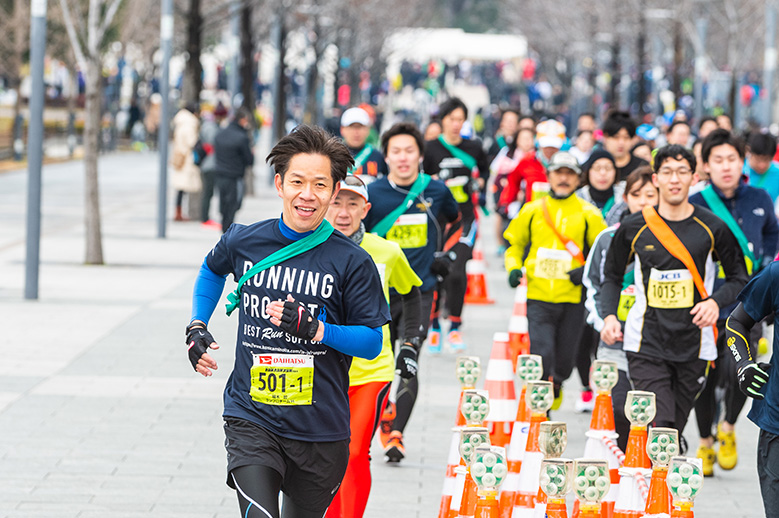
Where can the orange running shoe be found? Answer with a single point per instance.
(394, 451)
(385, 424)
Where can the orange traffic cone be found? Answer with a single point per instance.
(555, 481)
(662, 444)
(519, 340)
(640, 409)
(471, 438)
(450, 485)
(459, 484)
(469, 497)
(603, 377)
(476, 269)
(539, 398)
(488, 465)
(500, 386)
(514, 454)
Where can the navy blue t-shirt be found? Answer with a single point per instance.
(759, 298)
(339, 283)
(433, 208)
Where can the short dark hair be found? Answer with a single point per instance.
(707, 118)
(638, 145)
(582, 132)
(515, 111)
(586, 114)
(451, 105)
(721, 137)
(677, 123)
(243, 113)
(763, 144)
(674, 152)
(311, 140)
(618, 120)
(641, 176)
(403, 128)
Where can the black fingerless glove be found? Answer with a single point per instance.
(751, 379)
(442, 264)
(298, 321)
(198, 342)
(406, 362)
(515, 276)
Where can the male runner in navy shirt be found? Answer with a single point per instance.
(286, 401)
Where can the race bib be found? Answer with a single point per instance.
(457, 188)
(409, 231)
(282, 379)
(552, 264)
(540, 189)
(627, 298)
(670, 289)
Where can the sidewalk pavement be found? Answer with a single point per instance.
(100, 411)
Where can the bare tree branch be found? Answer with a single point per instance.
(74, 40)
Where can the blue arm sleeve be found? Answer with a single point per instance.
(360, 341)
(208, 291)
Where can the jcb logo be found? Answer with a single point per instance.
(671, 276)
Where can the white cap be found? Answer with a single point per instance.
(355, 116)
(356, 185)
(550, 133)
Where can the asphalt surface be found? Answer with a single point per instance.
(100, 411)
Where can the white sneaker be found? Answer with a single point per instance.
(585, 402)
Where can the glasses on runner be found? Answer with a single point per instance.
(668, 172)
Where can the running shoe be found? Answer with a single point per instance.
(212, 224)
(762, 347)
(434, 341)
(385, 424)
(455, 340)
(707, 456)
(394, 451)
(727, 456)
(586, 402)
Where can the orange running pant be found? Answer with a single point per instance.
(365, 404)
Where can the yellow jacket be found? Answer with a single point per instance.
(547, 261)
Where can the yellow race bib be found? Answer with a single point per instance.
(670, 289)
(409, 231)
(282, 379)
(627, 298)
(552, 264)
(457, 188)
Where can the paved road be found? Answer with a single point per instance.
(100, 412)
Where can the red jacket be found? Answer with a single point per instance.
(530, 170)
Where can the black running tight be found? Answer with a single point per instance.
(258, 489)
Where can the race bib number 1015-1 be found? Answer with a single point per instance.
(282, 379)
(670, 289)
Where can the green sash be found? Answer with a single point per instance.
(361, 158)
(382, 227)
(718, 207)
(501, 141)
(316, 238)
(467, 160)
(607, 207)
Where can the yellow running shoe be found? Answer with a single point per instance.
(707, 456)
(727, 456)
(762, 347)
(558, 399)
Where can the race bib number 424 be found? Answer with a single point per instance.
(282, 379)
(670, 289)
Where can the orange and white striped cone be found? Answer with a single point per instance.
(500, 386)
(662, 445)
(634, 474)
(469, 497)
(539, 396)
(514, 454)
(684, 480)
(459, 487)
(471, 438)
(603, 377)
(555, 482)
(552, 440)
(488, 466)
(468, 370)
(476, 272)
(519, 340)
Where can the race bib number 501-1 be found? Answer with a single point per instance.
(282, 379)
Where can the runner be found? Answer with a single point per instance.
(748, 212)
(639, 193)
(412, 210)
(757, 301)
(618, 133)
(286, 406)
(355, 129)
(507, 130)
(369, 380)
(558, 229)
(678, 133)
(760, 167)
(454, 160)
(669, 335)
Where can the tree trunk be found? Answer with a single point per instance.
(92, 115)
(312, 84)
(248, 76)
(193, 76)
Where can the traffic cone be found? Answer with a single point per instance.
(469, 497)
(467, 370)
(555, 481)
(684, 480)
(552, 440)
(500, 386)
(459, 487)
(529, 368)
(475, 270)
(519, 340)
(603, 377)
(640, 410)
(539, 396)
(488, 466)
(662, 445)
(471, 438)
